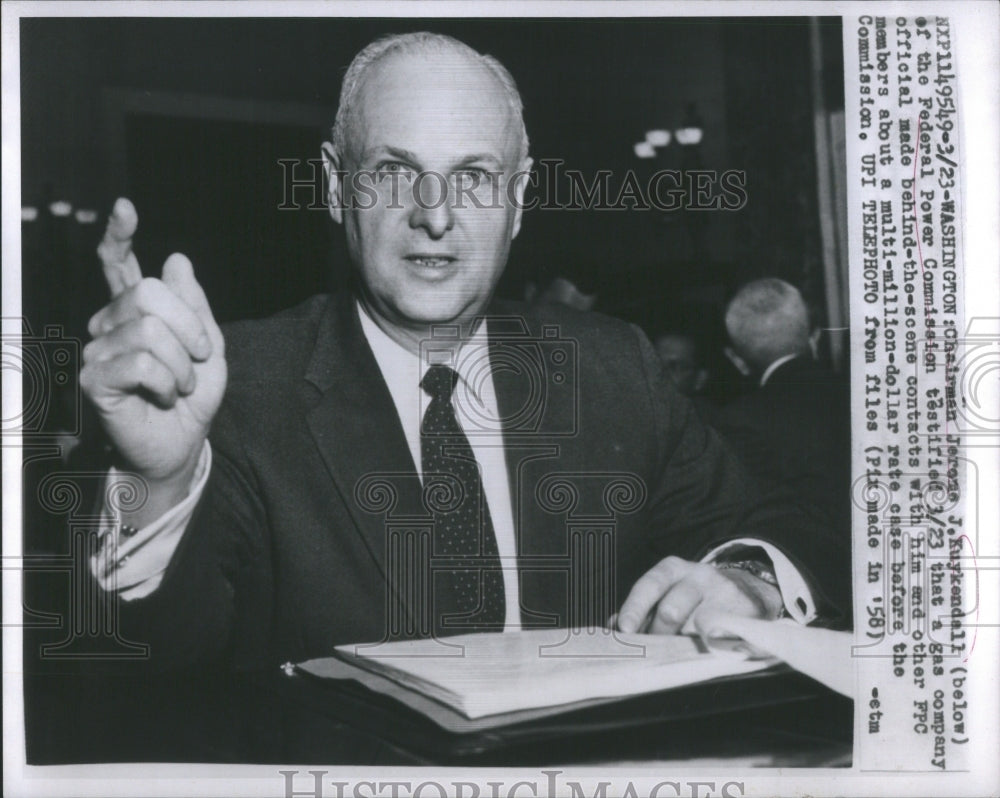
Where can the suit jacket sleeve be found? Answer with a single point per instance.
(195, 615)
(702, 497)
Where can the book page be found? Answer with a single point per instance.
(486, 674)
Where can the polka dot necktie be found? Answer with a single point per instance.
(468, 591)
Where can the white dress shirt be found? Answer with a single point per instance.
(475, 403)
(134, 566)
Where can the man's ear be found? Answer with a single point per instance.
(334, 182)
(741, 365)
(520, 185)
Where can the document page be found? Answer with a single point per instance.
(487, 674)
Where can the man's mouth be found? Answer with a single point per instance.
(431, 261)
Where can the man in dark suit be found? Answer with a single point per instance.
(793, 428)
(388, 463)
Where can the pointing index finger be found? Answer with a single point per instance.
(121, 269)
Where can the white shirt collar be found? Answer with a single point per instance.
(774, 367)
(474, 398)
(401, 367)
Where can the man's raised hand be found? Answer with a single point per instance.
(155, 369)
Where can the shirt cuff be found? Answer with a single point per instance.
(133, 566)
(795, 593)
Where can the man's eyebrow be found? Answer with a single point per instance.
(484, 158)
(395, 152)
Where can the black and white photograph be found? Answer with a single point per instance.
(497, 403)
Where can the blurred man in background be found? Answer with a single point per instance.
(793, 428)
(682, 359)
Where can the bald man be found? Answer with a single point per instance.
(793, 428)
(281, 455)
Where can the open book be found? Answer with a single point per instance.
(488, 674)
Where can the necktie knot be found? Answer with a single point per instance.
(439, 382)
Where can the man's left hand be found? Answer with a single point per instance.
(666, 598)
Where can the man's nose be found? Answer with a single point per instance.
(432, 206)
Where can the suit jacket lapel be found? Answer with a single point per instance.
(357, 429)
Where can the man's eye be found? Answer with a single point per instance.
(390, 167)
(472, 178)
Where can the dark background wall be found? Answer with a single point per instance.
(190, 117)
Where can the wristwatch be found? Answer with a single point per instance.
(763, 571)
(755, 567)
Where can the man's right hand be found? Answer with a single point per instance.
(155, 369)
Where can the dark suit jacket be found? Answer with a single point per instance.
(287, 555)
(795, 431)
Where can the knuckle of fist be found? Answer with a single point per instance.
(94, 324)
(144, 363)
(657, 581)
(701, 574)
(146, 290)
(150, 327)
(668, 568)
(668, 613)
